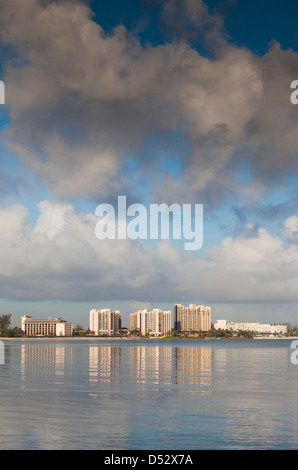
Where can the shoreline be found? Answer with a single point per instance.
(134, 338)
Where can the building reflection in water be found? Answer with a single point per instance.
(193, 368)
(149, 367)
(46, 359)
(156, 367)
(104, 363)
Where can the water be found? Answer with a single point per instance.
(140, 395)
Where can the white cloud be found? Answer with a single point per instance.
(14, 223)
(291, 229)
(61, 258)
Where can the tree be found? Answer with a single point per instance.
(292, 329)
(5, 321)
(13, 332)
(123, 332)
(135, 332)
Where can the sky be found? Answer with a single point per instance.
(184, 102)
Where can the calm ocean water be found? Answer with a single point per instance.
(139, 395)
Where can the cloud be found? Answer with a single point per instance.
(83, 103)
(192, 20)
(291, 229)
(60, 258)
(271, 131)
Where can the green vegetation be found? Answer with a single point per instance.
(292, 330)
(5, 330)
(192, 334)
(211, 334)
(79, 331)
(124, 332)
(5, 321)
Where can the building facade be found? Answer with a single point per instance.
(105, 321)
(256, 327)
(49, 327)
(192, 318)
(155, 322)
(135, 320)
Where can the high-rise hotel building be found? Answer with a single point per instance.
(156, 322)
(104, 321)
(192, 318)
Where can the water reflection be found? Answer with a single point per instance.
(145, 394)
(161, 366)
(45, 359)
(193, 367)
(154, 367)
(151, 366)
(104, 363)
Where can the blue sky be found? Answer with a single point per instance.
(176, 102)
(248, 24)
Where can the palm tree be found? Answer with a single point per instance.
(5, 322)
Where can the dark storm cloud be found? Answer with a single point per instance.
(82, 102)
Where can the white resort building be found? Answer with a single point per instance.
(194, 317)
(155, 322)
(104, 321)
(49, 327)
(257, 327)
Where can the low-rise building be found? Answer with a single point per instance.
(49, 327)
(256, 327)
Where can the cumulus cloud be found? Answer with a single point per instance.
(192, 19)
(291, 229)
(271, 131)
(83, 103)
(97, 115)
(60, 258)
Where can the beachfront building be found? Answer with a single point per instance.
(135, 321)
(155, 322)
(261, 328)
(49, 327)
(192, 318)
(105, 321)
